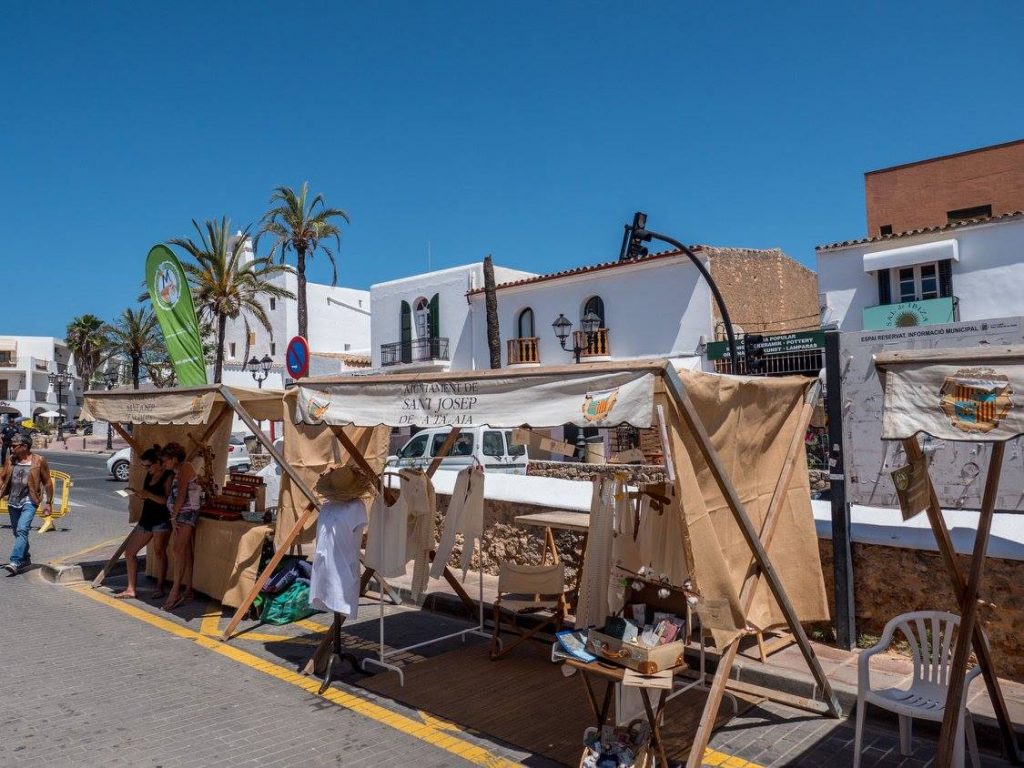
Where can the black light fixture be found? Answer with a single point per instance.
(110, 377)
(591, 322)
(59, 380)
(260, 369)
(632, 247)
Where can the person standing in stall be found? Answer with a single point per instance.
(183, 509)
(155, 523)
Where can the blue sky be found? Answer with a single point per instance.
(528, 130)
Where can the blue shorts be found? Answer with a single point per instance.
(154, 528)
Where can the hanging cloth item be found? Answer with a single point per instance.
(334, 584)
(465, 515)
(419, 505)
(592, 607)
(386, 538)
(660, 541)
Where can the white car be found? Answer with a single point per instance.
(491, 448)
(238, 459)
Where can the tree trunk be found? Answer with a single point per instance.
(136, 359)
(491, 303)
(218, 365)
(301, 293)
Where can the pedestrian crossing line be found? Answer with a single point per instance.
(360, 705)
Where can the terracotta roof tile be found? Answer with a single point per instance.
(922, 231)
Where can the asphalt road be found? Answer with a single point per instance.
(98, 513)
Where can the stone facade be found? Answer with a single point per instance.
(765, 290)
(571, 470)
(889, 581)
(921, 194)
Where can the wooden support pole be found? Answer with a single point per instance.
(132, 442)
(207, 434)
(981, 647)
(969, 610)
(265, 575)
(721, 677)
(113, 559)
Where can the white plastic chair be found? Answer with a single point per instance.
(931, 636)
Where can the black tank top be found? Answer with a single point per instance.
(153, 512)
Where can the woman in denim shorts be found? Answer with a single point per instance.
(183, 508)
(154, 524)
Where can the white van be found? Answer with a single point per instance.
(492, 448)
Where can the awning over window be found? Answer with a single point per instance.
(8, 345)
(923, 253)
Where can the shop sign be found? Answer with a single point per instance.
(778, 344)
(908, 314)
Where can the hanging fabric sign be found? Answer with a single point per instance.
(977, 400)
(172, 301)
(595, 400)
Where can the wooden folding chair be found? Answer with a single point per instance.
(527, 589)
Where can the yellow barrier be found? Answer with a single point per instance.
(61, 504)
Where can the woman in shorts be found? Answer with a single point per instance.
(183, 508)
(154, 524)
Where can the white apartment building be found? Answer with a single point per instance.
(965, 270)
(25, 365)
(339, 332)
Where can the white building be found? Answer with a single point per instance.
(425, 322)
(26, 363)
(966, 270)
(339, 332)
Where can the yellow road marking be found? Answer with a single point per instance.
(361, 706)
(312, 626)
(714, 758)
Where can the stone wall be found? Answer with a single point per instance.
(889, 581)
(574, 470)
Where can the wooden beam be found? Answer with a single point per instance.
(113, 559)
(969, 610)
(265, 575)
(443, 451)
(981, 647)
(126, 437)
(208, 433)
(357, 456)
(720, 680)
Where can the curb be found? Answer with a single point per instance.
(60, 573)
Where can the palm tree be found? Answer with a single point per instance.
(302, 225)
(134, 339)
(86, 338)
(224, 285)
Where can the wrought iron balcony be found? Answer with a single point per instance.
(416, 351)
(594, 344)
(524, 350)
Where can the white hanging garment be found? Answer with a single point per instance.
(592, 607)
(420, 505)
(386, 538)
(465, 515)
(660, 542)
(334, 583)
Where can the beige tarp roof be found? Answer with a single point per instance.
(177, 405)
(972, 394)
(751, 423)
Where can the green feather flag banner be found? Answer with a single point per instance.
(172, 301)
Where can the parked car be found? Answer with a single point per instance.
(238, 459)
(490, 447)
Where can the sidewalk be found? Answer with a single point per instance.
(83, 444)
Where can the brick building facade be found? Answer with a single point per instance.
(765, 290)
(932, 193)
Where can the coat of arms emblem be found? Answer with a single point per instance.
(318, 409)
(597, 405)
(976, 399)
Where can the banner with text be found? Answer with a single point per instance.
(595, 400)
(172, 302)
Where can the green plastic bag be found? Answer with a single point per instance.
(288, 606)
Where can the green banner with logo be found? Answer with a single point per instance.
(172, 301)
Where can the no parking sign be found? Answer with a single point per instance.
(297, 357)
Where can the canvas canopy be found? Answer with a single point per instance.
(177, 406)
(969, 394)
(750, 421)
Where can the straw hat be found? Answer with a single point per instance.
(344, 482)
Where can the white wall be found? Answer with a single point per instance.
(652, 309)
(988, 279)
(454, 323)
(37, 357)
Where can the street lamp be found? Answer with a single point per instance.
(260, 369)
(563, 327)
(110, 378)
(632, 248)
(60, 380)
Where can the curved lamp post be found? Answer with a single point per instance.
(638, 233)
(563, 328)
(60, 380)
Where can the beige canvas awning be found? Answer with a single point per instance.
(177, 406)
(973, 394)
(8, 345)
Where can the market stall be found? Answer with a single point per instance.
(735, 514)
(961, 395)
(227, 546)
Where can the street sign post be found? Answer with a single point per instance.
(297, 357)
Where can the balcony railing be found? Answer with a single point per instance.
(525, 350)
(594, 344)
(417, 351)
